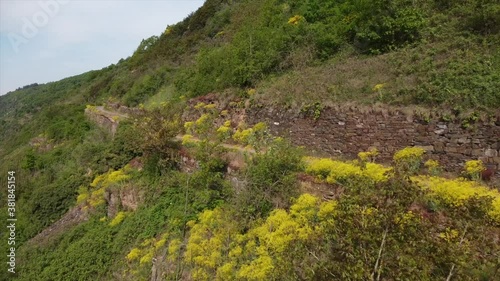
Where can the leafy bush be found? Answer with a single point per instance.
(456, 192)
(372, 26)
(270, 180)
(333, 171)
(156, 131)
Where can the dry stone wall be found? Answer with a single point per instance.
(345, 132)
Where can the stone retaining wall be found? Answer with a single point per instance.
(348, 131)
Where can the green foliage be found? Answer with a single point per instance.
(146, 87)
(313, 110)
(271, 180)
(255, 51)
(438, 52)
(371, 26)
(63, 122)
(156, 131)
(253, 54)
(366, 234)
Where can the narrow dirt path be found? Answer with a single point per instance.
(109, 113)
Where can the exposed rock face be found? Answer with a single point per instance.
(103, 120)
(125, 198)
(348, 131)
(73, 217)
(42, 143)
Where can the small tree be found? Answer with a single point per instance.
(157, 130)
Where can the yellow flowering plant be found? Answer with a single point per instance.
(456, 192)
(474, 168)
(368, 156)
(295, 20)
(120, 216)
(408, 159)
(216, 250)
(333, 171)
(433, 167)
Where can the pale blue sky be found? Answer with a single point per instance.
(47, 40)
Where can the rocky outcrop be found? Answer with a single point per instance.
(102, 119)
(73, 217)
(125, 198)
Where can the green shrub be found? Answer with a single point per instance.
(271, 180)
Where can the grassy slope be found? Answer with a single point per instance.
(454, 62)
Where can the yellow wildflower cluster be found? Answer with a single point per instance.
(405, 219)
(243, 136)
(455, 192)
(110, 178)
(117, 219)
(377, 172)
(254, 136)
(134, 254)
(94, 195)
(409, 153)
(83, 195)
(199, 105)
(173, 249)
(368, 156)
(409, 159)
(201, 126)
(378, 87)
(209, 238)
(91, 108)
(224, 131)
(451, 192)
(202, 120)
(260, 127)
(147, 250)
(189, 126)
(218, 252)
(96, 198)
(210, 106)
(147, 258)
(187, 139)
(333, 170)
(251, 135)
(431, 164)
(473, 168)
(295, 20)
(450, 235)
(432, 167)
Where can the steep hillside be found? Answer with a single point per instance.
(186, 183)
